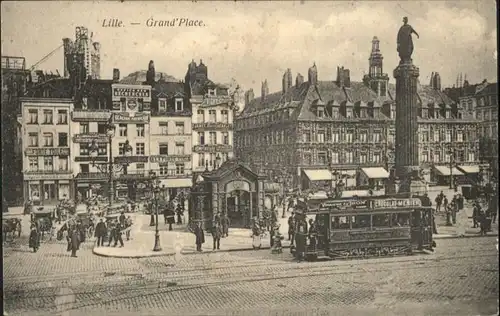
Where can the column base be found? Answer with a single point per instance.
(412, 187)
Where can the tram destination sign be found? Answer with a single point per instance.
(345, 204)
(395, 203)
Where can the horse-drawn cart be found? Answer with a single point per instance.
(11, 226)
(43, 220)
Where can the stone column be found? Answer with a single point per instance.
(406, 153)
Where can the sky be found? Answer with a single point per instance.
(251, 42)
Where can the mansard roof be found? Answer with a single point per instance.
(166, 89)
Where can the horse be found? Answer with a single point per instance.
(11, 225)
(44, 225)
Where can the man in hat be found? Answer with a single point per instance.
(200, 236)
(100, 232)
(216, 234)
(291, 228)
(34, 240)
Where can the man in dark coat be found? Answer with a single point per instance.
(200, 236)
(225, 225)
(34, 241)
(100, 232)
(216, 234)
(112, 232)
(74, 241)
(122, 218)
(118, 235)
(179, 211)
(291, 228)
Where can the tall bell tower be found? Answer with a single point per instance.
(376, 79)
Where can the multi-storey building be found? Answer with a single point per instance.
(47, 175)
(212, 121)
(346, 128)
(170, 134)
(14, 82)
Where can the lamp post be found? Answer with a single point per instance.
(452, 160)
(155, 190)
(110, 167)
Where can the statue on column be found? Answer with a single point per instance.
(405, 42)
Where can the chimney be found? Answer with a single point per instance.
(312, 75)
(287, 80)
(436, 84)
(343, 77)
(116, 74)
(97, 46)
(151, 74)
(264, 90)
(431, 83)
(249, 96)
(299, 80)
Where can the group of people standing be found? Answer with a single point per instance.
(113, 230)
(219, 229)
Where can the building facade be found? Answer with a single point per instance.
(46, 128)
(346, 129)
(212, 120)
(14, 84)
(170, 135)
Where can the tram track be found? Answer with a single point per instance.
(164, 280)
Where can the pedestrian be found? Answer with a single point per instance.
(170, 217)
(122, 218)
(118, 235)
(179, 213)
(291, 228)
(216, 234)
(475, 214)
(271, 236)
(112, 232)
(75, 241)
(128, 225)
(100, 232)
(454, 209)
(34, 240)
(438, 201)
(200, 236)
(225, 225)
(445, 202)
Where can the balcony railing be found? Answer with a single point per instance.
(89, 137)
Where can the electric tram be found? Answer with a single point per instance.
(362, 227)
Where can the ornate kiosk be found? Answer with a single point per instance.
(234, 190)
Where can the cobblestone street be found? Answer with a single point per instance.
(460, 278)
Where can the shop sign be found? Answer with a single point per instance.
(64, 151)
(90, 116)
(131, 159)
(132, 92)
(46, 176)
(213, 125)
(394, 203)
(89, 137)
(211, 101)
(88, 159)
(124, 117)
(167, 158)
(213, 148)
(345, 204)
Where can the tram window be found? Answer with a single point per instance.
(360, 221)
(381, 220)
(401, 220)
(340, 222)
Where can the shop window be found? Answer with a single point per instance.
(360, 221)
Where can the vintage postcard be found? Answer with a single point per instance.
(249, 158)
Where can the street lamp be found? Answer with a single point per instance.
(110, 167)
(155, 190)
(452, 160)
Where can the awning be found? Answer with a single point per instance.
(445, 171)
(177, 183)
(319, 175)
(469, 169)
(376, 173)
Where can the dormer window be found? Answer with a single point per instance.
(211, 92)
(362, 113)
(348, 113)
(447, 113)
(162, 105)
(179, 105)
(321, 112)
